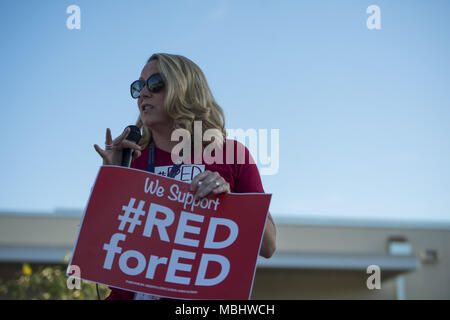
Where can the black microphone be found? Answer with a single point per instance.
(127, 153)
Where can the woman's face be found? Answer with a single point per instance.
(151, 105)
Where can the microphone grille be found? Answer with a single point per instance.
(135, 134)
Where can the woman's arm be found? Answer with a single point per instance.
(268, 245)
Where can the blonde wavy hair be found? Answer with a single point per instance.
(188, 98)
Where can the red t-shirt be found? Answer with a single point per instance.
(242, 174)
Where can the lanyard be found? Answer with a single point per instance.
(151, 162)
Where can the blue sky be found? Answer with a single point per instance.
(363, 114)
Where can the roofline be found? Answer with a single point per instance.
(328, 221)
(281, 219)
(35, 254)
(43, 214)
(339, 261)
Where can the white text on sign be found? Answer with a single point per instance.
(158, 219)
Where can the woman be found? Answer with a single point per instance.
(173, 93)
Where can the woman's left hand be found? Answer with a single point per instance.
(207, 182)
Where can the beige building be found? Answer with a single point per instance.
(316, 258)
(328, 259)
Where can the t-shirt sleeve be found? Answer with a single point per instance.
(247, 178)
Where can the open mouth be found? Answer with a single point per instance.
(146, 107)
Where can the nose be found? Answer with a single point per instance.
(144, 93)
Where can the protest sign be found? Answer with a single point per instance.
(145, 233)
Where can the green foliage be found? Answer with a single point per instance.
(47, 283)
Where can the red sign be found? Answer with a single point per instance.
(145, 233)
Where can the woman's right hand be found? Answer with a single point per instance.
(112, 155)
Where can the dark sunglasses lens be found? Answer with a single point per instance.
(136, 88)
(155, 83)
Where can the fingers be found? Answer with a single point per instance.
(113, 148)
(116, 142)
(102, 154)
(208, 182)
(222, 187)
(197, 179)
(120, 142)
(131, 145)
(100, 151)
(136, 154)
(122, 137)
(108, 138)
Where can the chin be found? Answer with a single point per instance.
(147, 121)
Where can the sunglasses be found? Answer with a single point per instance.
(154, 84)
